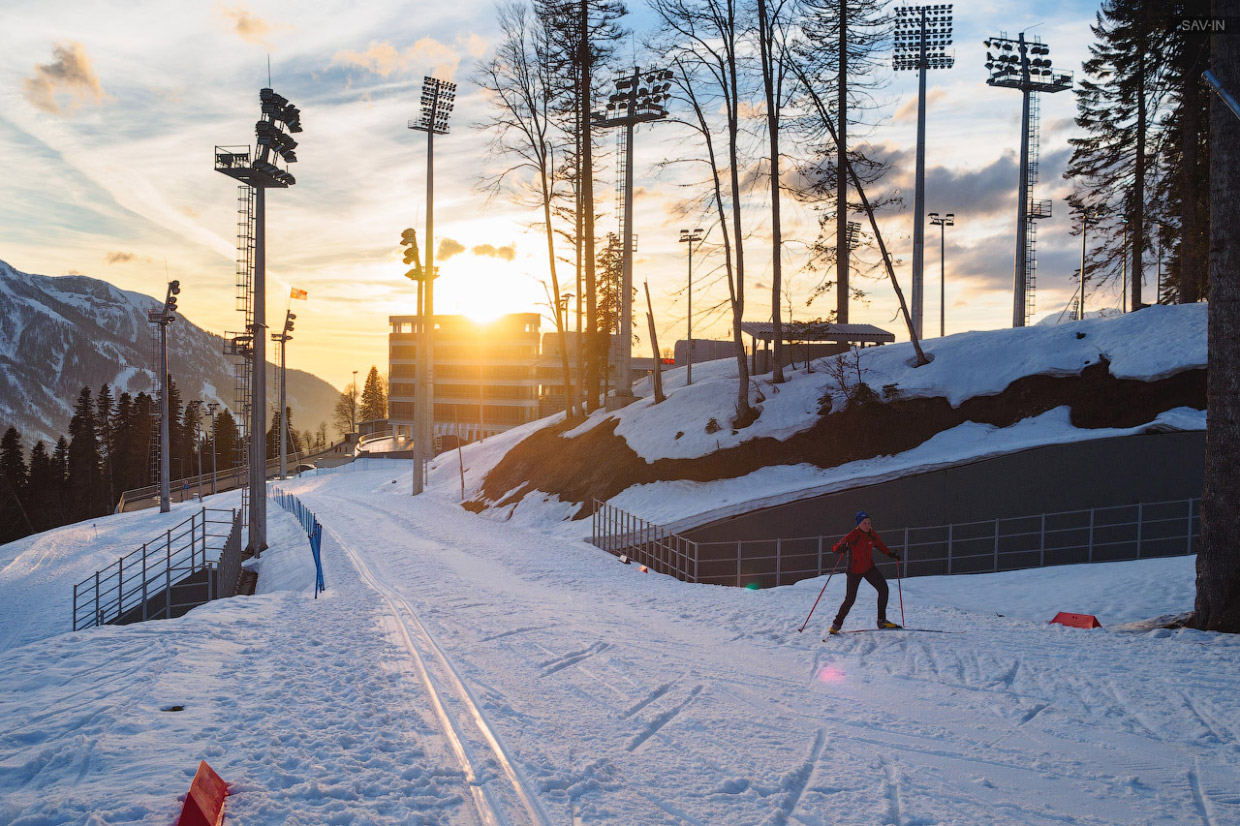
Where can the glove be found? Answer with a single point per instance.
(841, 547)
(895, 555)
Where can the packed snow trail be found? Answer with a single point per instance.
(631, 698)
(411, 629)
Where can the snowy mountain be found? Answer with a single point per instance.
(60, 334)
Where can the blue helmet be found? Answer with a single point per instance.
(862, 516)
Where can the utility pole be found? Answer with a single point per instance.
(687, 237)
(260, 172)
(638, 98)
(947, 220)
(212, 406)
(1086, 214)
(438, 100)
(282, 338)
(163, 317)
(922, 35)
(197, 405)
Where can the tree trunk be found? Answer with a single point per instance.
(595, 349)
(1218, 555)
(1137, 219)
(841, 180)
(1193, 174)
(766, 43)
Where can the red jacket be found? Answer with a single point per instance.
(862, 544)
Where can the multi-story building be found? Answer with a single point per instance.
(485, 374)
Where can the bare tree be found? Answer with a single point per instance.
(520, 78)
(705, 38)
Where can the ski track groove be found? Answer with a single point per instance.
(1199, 797)
(662, 720)
(1209, 726)
(481, 795)
(514, 631)
(892, 783)
(650, 698)
(559, 664)
(797, 781)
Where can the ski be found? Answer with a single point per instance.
(889, 630)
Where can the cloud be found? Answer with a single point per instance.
(507, 253)
(448, 248)
(119, 257)
(246, 25)
(384, 59)
(70, 73)
(908, 110)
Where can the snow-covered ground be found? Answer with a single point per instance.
(462, 670)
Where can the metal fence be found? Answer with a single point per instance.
(1121, 532)
(195, 562)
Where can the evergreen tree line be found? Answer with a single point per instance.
(109, 450)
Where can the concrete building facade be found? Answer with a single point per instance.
(485, 374)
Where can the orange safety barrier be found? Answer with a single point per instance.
(1076, 620)
(204, 805)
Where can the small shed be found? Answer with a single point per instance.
(809, 340)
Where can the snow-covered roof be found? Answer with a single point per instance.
(818, 331)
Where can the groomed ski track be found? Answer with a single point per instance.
(461, 721)
(575, 690)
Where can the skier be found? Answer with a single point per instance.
(860, 543)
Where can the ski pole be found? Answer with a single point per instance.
(838, 557)
(901, 590)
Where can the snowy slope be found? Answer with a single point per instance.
(1156, 343)
(460, 669)
(60, 334)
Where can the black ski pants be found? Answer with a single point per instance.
(875, 578)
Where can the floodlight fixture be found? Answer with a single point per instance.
(690, 238)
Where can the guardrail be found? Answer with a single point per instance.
(1120, 532)
(186, 488)
(140, 585)
(314, 531)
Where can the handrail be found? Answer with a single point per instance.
(139, 576)
(374, 437)
(1165, 528)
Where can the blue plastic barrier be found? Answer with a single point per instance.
(314, 531)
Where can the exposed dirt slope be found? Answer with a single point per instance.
(599, 464)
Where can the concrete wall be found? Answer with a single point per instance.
(1099, 473)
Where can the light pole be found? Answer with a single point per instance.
(942, 223)
(1086, 215)
(922, 35)
(283, 338)
(213, 406)
(1158, 278)
(687, 237)
(163, 317)
(639, 98)
(1012, 68)
(261, 173)
(197, 405)
(438, 100)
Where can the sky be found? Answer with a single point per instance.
(109, 113)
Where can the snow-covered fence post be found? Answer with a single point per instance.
(779, 558)
(1042, 543)
(950, 530)
(738, 563)
(168, 576)
(144, 582)
(97, 598)
(120, 586)
(1139, 518)
(820, 554)
(75, 587)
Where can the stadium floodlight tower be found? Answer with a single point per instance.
(273, 141)
(922, 35)
(639, 98)
(282, 338)
(438, 100)
(163, 317)
(1025, 65)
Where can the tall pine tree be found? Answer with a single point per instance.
(44, 490)
(87, 497)
(14, 500)
(374, 397)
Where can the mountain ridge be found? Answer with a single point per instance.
(61, 333)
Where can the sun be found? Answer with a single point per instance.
(483, 292)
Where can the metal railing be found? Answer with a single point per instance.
(314, 530)
(1121, 532)
(142, 584)
(625, 535)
